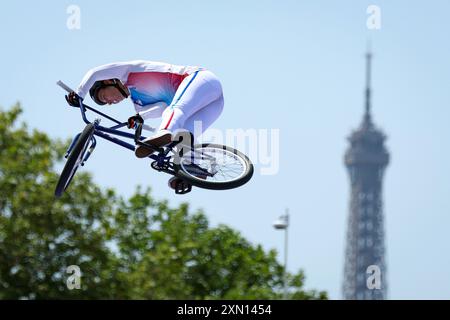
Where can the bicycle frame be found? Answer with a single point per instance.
(161, 158)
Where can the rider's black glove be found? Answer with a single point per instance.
(72, 99)
(132, 121)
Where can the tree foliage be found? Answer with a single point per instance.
(136, 248)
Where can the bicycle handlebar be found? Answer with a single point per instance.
(69, 90)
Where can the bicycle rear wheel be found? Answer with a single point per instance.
(74, 160)
(214, 166)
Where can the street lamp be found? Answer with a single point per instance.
(282, 223)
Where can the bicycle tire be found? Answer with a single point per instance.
(204, 184)
(74, 160)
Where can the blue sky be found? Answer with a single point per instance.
(296, 66)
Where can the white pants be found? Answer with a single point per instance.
(198, 98)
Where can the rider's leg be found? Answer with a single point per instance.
(205, 115)
(196, 124)
(204, 118)
(196, 92)
(201, 120)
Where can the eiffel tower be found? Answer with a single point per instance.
(366, 160)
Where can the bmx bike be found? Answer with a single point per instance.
(206, 165)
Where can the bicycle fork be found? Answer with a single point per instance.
(69, 150)
(93, 142)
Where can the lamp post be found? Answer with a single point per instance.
(282, 223)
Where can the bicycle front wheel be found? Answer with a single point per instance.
(74, 160)
(214, 166)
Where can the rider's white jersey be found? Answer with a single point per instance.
(149, 82)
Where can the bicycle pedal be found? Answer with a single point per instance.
(183, 187)
(155, 166)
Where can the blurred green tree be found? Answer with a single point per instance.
(138, 248)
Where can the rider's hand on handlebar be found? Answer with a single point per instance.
(132, 121)
(72, 99)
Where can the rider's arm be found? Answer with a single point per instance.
(121, 70)
(154, 110)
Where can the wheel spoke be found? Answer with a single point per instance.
(228, 165)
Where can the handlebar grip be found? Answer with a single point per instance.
(64, 86)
